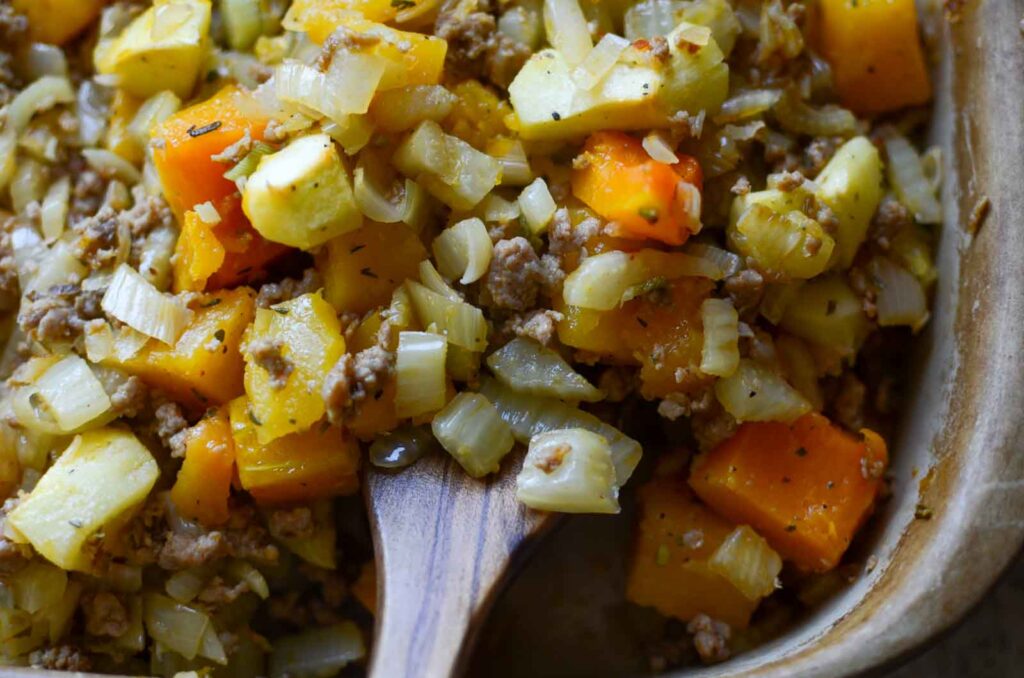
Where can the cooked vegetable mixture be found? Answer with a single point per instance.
(249, 246)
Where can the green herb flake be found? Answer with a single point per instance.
(402, 4)
(649, 214)
(219, 335)
(210, 303)
(646, 287)
(923, 512)
(663, 555)
(253, 418)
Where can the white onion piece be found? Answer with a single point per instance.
(135, 302)
(567, 30)
(496, 209)
(658, 147)
(41, 95)
(900, 299)
(757, 393)
(528, 367)
(571, 471)
(599, 61)
(41, 59)
(796, 116)
(207, 213)
(419, 373)
(433, 281)
(111, 165)
(464, 251)
(747, 105)
(54, 210)
(906, 174)
(472, 431)
(537, 205)
(720, 354)
(320, 651)
(72, 393)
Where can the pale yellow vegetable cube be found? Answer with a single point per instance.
(103, 475)
(851, 185)
(301, 196)
(162, 49)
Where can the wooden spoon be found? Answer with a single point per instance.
(444, 544)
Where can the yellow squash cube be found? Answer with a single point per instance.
(289, 350)
(103, 475)
(163, 48)
(57, 21)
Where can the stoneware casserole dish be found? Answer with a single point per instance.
(959, 451)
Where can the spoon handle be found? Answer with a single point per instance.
(444, 542)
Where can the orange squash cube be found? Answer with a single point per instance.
(190, 371)
(203, 486)
(806, 488)
(669, 569)
(299, 467)
(873, 46)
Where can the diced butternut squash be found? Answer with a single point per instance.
(875, 52)
(805, 487)
(375, 415)
(661, 331)
(362, 268)
(163, 48)
(478, 116)
(198, 254)
(318, 462)
(288, 351)
(103, 475)
(320, 18)
(203, 486)
(119, 139)
(669, 569)
(364, 589)
(205, 366)
(639, 195)
(57, 21)
(185, 144)
(301, 196)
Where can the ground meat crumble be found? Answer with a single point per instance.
(268, 355)
(517, 275)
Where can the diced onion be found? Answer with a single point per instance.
(243, 571)
(748, 562)
(420, 373)
(651, 18)
(135, 302)
(57, 266)
(602, 282)
(599, 61)
(401, 447)
(128, 343)
(463, 324)
(747, 105)
(495, 208)
(788, 243)
(353, 133)
(900, 298)
(906, 174)
(54, 211)
(757, 393)
(211, 647)
(38, 586)
(151, 113)
(511, 156)
(464, 251)
(372, 201)
(728, 262)
(528, 367)
(111, 165)
(569, 470)
(93, 101)
(207, 213)
(317, 652)
(425, 151)
(184, 585)
(720, 355)
(177, 627)
(99, 341)
(8, 153)
(537, 205)
(796, 116)
(433, 281)
(346, 88)
(243, 22)
(777, 298)
(473, 432)
(43, 94)
(798, 363)
(417, 206)
(71, 393)
(529, 415)
(41, 59)
(567, 30)
(28, 183)
(658, 148)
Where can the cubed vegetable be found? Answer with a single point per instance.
(787, 243)
(182, 153)
(569, 470)
(320, 18)
(362, 268)
(641, 196)
(746, 560)
(851, 185)
(203, 486)
(57, 21)
(288, 351)
(318, 462)
(198, 254)
(669, 569)
(756, 392)
(163, 48)
(805, 487)
(453, 171)
(190, 371)
(119, 139)
(473, 432)
(302, 195)
(75, 498)
(826, 311)
(875, 52)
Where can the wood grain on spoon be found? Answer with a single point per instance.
(444, 544)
